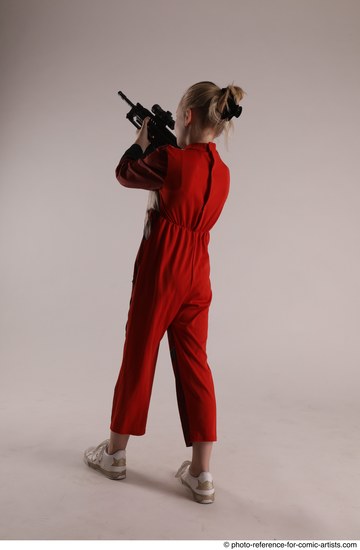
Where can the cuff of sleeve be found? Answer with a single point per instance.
(134, 152)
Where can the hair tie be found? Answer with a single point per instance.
(232, 109)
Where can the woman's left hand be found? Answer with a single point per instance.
(142, 135)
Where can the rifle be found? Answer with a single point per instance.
(158, 133)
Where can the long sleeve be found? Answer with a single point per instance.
(139, 170)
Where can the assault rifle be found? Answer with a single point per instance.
(158, 133)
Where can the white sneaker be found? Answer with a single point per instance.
(112, 466)
(202, 486)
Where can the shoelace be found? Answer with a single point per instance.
(182, 468)
(98, 452)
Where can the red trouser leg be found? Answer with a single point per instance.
(194, 382)
(144, 331)
(133, 389)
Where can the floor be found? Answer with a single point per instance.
(284, 468)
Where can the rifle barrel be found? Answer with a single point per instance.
(123, 96)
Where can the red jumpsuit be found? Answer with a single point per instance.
(171, 289)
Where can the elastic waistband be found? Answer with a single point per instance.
(195, 231)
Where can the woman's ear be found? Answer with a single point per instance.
(187, 117)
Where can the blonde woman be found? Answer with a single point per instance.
(171, 288)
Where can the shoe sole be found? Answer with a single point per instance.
(111, 475)
(202, 499)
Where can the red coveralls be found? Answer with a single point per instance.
(171, 289)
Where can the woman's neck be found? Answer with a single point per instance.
(198, 136)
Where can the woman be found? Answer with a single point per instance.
(171, 289)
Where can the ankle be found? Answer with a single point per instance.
(112, 450)
(194, 472)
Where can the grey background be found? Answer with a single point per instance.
(283, 336)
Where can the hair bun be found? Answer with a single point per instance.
(215, 106)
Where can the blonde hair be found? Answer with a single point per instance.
(210, 101)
